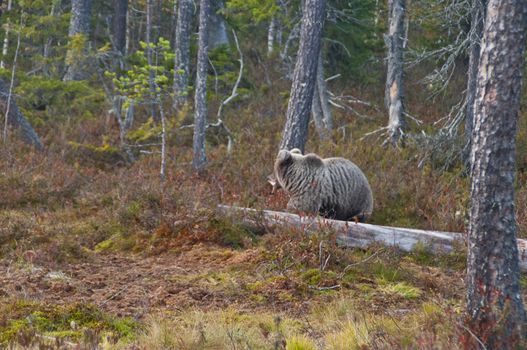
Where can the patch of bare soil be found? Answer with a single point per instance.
(126, 285)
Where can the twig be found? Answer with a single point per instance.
(361, 262)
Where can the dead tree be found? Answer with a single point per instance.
(149, 58)
(394, 90)
(321, 110)
(6, 38)
(16, 119)
(76, 62)
(495, 310)
(478, 12)
(304, 76)
(182, 49)
(200, 99)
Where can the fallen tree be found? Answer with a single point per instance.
(351, 234)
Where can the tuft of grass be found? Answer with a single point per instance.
(402, 289)
(300, 343)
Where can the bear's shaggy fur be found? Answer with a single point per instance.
(333, 187)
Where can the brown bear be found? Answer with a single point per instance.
(333, 187)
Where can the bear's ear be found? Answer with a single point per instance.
(313, 160)
(296, 151)
(283, 156)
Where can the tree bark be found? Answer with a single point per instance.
(16, 119)
(304, 76)
(120, 24)
(149, 58)
(6, 38)
(217, 28)
(495, 310)
(79, 25)
(271, 33)
(321, 111)
(182, 51)
(478, 13)
(200, 99)
(394, 89)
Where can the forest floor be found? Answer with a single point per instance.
(109, 257)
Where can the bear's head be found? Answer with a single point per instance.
(292, 166)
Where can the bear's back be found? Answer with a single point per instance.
(346, 192)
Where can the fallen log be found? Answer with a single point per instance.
(351, 234)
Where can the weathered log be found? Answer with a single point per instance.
(351, 234)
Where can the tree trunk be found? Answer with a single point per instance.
(79, 26)
(120, 24)
(16, 119)
(394, 90)
(5, 48)
(271, 33)
(304, 77)
(478, 13)
(494, 305)
(321, 111)
(149, 58)
(182, 50)
(200, 99)
(217, 28)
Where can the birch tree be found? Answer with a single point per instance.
(200, 98)
(79, 34)
(149, 58)
(5, 47)
(394, 89)
(304, 76)
(494, 305)
(182, 51)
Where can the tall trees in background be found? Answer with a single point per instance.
(6, 37)
(120, 25)
(495, 309)
(79, 35)
(200, 97)
(321, 110)
(182, 51)
(394, 89)
(304, 76)
(477, 19)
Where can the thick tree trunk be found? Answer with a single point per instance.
(79, 25)
(217, 28)
(182, 50)
(304, 76)
(16, 119)
(200, 99)
(394, 90)
(120, 25)
(478, 13)
(495, 309)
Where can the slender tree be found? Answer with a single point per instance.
(478, 12)
(304, 76)
(79, 28)
(200, 99)
(394, 89)
(149, 58)
(5, 47)
(120, 24)
(182, 50)
(495, 310)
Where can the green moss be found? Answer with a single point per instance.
(29, 317)
(232, 234)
